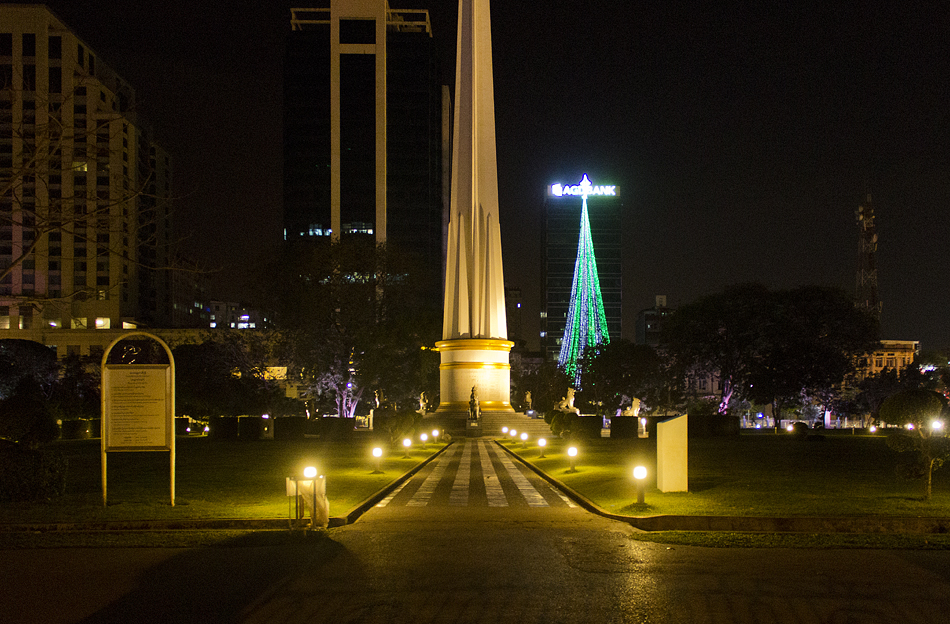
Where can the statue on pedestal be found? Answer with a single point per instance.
(566, 404)
(473, 410)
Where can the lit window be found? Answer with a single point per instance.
(213, 324)
(78, 323)
(103, 322)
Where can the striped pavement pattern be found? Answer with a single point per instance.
(475, 473)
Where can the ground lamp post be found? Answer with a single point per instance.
(435, 436)
(541, 443)
(640, 474)
(310, 472)
(572, 453)
(524, 440)
(513, 433)
(424, 437)
(378, 455)
(406, 443)
(504, 431)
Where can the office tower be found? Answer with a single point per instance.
(559, 248)
(84, 190)
(363, 129)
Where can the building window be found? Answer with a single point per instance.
(4, 317)
(103, 322)
(26, 317)
(29, 44)
(55, 79)
(78, 323)
(55, 47)
(29, 77)
(6, 44)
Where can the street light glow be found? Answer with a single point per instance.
(377, 452)
(640, 472)
(309, 472)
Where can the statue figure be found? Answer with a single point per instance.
(527, 400)
(422, 404)
(473, 410)
(633, 410)
(566, 404)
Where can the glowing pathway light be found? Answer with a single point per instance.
(586, 321)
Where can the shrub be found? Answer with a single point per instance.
(31, 474)
(26, 416)
(799, 430)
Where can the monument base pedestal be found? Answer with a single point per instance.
(474, 366)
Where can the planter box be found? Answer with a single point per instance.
(624, 427)
(289, 427)
(76, 429)
(223, 427)
(250, 427)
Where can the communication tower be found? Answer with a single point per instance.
(866, 295)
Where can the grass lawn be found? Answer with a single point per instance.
(214, 479)
(760, 474)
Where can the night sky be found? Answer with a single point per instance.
(743, 136)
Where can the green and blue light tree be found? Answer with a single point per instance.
(586, 321)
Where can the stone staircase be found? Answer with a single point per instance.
(492, 422)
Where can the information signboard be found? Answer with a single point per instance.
(138, 408)
(138, 404)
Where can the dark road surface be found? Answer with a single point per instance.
(475, 538)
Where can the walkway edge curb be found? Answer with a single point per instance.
(353, 515)
(759, 524)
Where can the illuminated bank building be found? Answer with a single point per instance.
(577, 265)
(365, 117)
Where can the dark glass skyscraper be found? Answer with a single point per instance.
(363, 128)
(559, 248)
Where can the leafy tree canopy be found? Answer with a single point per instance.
(358, 318)
(771, 346)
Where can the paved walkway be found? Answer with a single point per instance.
(475, 473)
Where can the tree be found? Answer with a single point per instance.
(771, 346)
(77, 393)
(356, 321)
(812, 338)
(620, 371)
(225, 376)
(721, 335)
(26, 359)
(918, 408)
(547, 384)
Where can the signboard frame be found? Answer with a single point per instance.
(137, 390)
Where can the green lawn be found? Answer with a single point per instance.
(214, 479)
(753, 474)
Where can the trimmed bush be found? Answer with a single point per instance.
(624, 427)
(336, 428)
(290, 427)
(30, 474)
(250, 427)
(587, 427)
(76, 429)
(223, 427)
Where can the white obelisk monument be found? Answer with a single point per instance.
(474, 346)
